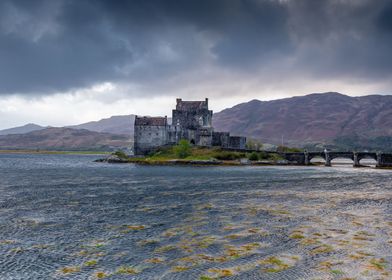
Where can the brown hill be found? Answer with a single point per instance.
(115, 124)
(56, 138)
(315, 118)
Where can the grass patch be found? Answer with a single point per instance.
(179, 268)
(337, 272)
(224, 272)
(126, 270)
(377, 264)
(322, 249)
(101, 275)
(70, 269)
(274, 265)
(166, 248)
(204, 153)
(90, 263)
(137, 227)
(203, 277)
(296, 236)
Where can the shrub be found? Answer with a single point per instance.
(183, 149)
(253, 144)
(120, 154)
(264, 155)
(253, 156)
(285, 149)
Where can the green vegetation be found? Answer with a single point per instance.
(185, 152)
(126, 270)
(253, 156)
(90, 263)
(273, 264)
(285, 149)
(203, 277)
(183, 149)
(120, 154)
(297, 236)
(253, 144)
(337, 272)
(379, 264)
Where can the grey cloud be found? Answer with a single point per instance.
(52, 46)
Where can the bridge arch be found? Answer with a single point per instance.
(367, 156)
(316, 159)
(312, 156)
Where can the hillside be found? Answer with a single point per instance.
(21, 129)
(115, 124)
(314, 118)
(55, 138)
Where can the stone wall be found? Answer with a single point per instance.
(220, 139)
(237, 142)
(192, 114)
(204, 137)
(150, 134)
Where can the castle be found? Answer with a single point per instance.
(191, 120)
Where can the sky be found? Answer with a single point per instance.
(66, 62)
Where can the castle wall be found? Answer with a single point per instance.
(192, 114)
(150, 134)
(220, 139)
(204, 137)
(237, 142)
(149, 138)
(174, 134)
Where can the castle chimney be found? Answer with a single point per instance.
(207, 101)
(179, 100)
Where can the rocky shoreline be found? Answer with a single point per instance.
(213, 162)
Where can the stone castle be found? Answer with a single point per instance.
(191, 120)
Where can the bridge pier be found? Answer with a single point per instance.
(327, 159)
(356, 160)
(378, 155)
(306, 160)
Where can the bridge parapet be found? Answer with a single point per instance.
(383, 159)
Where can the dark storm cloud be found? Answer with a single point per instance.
(51, 46)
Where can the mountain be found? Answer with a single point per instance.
(59, 138)
(115, 124)
(21, 129)
(314, 118)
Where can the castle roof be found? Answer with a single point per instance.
(157, 121)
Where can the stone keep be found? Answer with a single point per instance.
(194, 120)
(191, 120)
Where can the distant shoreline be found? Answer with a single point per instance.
(49, 152)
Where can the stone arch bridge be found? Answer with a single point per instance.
(304, 158)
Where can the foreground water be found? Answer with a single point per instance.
(65, 217)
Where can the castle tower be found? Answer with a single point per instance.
(194, 119)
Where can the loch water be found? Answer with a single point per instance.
(66, 217)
